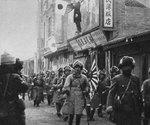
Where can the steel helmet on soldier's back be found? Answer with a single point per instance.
(127, 61)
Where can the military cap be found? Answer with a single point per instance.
(78, 63)
(127, 61)
(67, 68)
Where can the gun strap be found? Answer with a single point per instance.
(7, 81)
(126, 89)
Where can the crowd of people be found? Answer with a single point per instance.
(120, 95)
(68, 90)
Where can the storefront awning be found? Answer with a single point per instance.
(119, 41)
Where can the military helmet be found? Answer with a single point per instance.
(7, 59)
(114, 69)
(67, 68)
(18, 64)
(127, 61)
(78, 63)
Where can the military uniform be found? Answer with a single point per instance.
(146, 98)
(129, 112)
(38, 91)
(57, 85)
(76, 98)
(57, 89)
(48, 90)
(16, 114)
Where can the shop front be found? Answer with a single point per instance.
(136, 46)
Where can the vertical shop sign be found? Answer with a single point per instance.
(108, 13)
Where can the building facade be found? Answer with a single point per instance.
(52, 44)
(110, 28)
(132, 35)
(28, 67)
(45, 30)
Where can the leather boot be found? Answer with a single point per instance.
(78, 119)
(70, 120)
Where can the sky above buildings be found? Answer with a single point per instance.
(18, 27)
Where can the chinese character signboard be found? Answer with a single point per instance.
(87, 41)
(108, 13)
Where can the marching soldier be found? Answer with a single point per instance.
(124, 96)
(49, 78)
(114, 70)
(77, 86)
(38, 89)
(11, 107)
(67, 72)
(51, 89)
(57, 85)
(101, 91)
(47, 86)
(146, 100)
(87, 98)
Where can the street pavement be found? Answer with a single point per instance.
(46, 115)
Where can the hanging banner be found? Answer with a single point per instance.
(108, 13)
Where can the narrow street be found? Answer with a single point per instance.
(46, 115)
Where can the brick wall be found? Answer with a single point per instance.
(130, 20)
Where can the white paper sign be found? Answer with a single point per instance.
(108, 13)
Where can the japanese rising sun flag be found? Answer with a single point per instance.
(93, 74)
